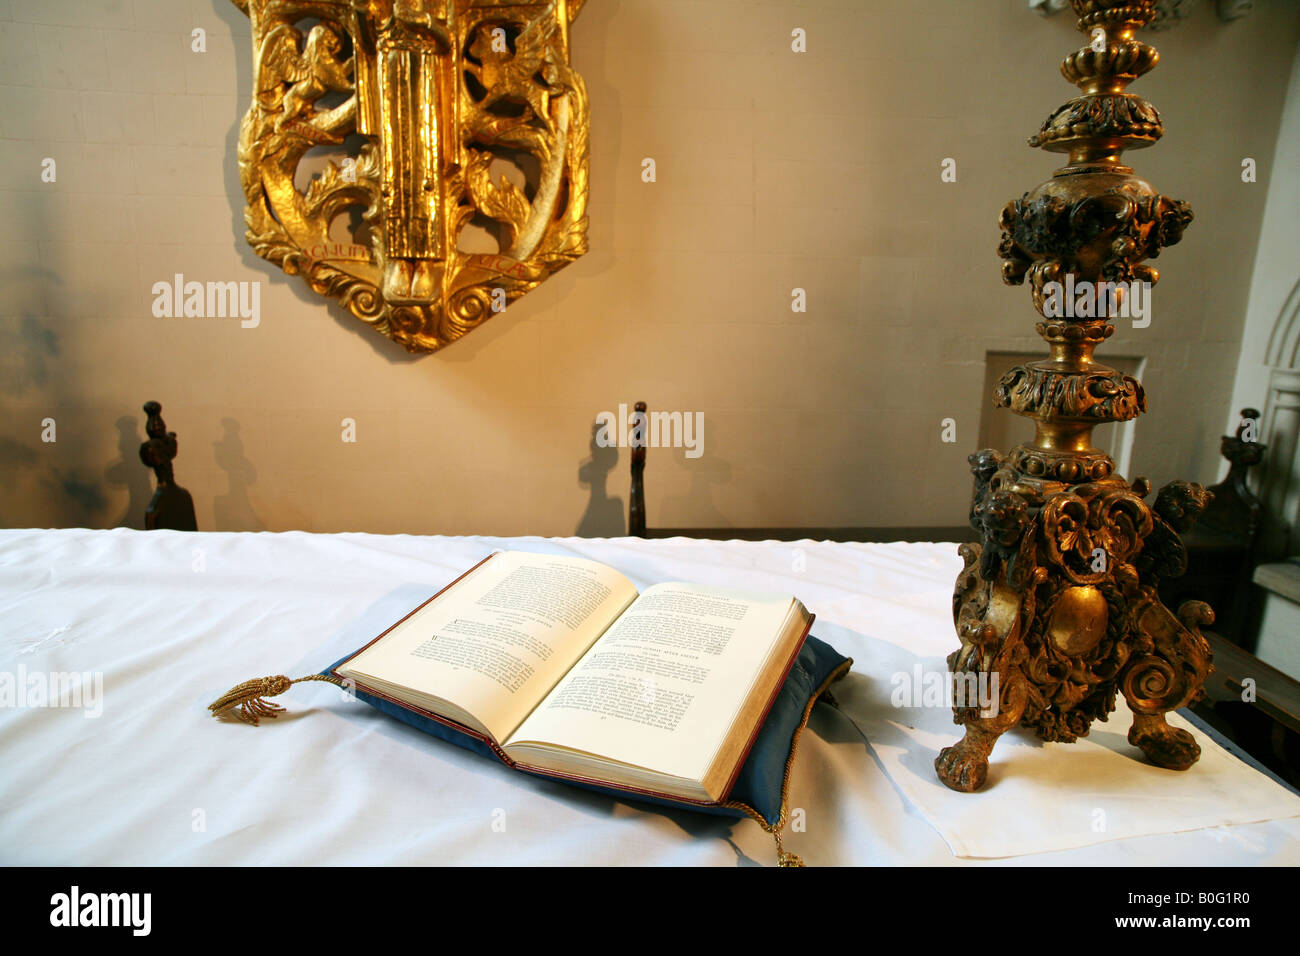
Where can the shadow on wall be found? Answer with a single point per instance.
(128, 472)
(14, 457)
(233, 511)
(83, 498)
(32, 348)
(604, 517)
(698, 499)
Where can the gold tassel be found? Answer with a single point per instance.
(783, 856)
(250, 696)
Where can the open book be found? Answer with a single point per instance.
(565, 669)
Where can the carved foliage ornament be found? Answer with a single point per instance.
(1059, 599)
(424, 106)
(1168, 13)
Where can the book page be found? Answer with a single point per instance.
(662, 687)
(497, 641)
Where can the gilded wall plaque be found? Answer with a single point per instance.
(424, 107)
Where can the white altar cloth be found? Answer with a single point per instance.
(170, 620)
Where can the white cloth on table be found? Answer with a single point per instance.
(171, 620)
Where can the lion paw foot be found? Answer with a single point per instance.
(961, 767)
(1166, 746)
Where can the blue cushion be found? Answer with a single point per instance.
(761, 781)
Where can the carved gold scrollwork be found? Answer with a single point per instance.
(1042, 392)
(1123, 115)
(1096, 237)
(1089, 528)
(1151, 685)
(425, 98)
(1059, 598)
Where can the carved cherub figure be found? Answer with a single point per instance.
(510, 77)
(1177, 507)
(1180, 503)
(311, 73)
(983, 465)
(1003, 518)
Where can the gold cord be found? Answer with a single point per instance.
(250, 697)
(783, 856)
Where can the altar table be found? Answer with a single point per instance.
(162, 622)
